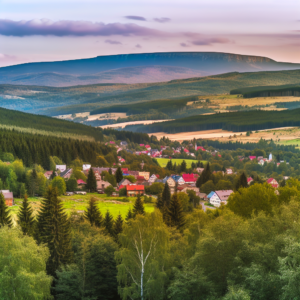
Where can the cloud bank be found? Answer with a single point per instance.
(137, 18)
(72, 28)
(162, 20)
(209, 41)
(113, 42)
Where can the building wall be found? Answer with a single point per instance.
(215, 201)
(9, 202)
(146, 175)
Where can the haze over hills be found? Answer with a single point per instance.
(137, 68)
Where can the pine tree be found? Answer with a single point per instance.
(159, 202)
(118, 226)
(169, 165)
(175, 213)
(205, 176)
(108, 223)
(33, 184)
(138, 208)
(119, 175)
(54, 230)
(166, 194)
(5, 219)
(183, 166)
(91, 184)
(93, 214)
(243, 180)
(22, 190)
(25, 217)
(129, 215)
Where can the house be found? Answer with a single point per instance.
(66, 174)
(178, 179)
(252, 157)
(48, 174)
(86, 167)
(146, 175)
(81, 183)
(203, 196)
(134, 190)
(121, 159)
(273, 182)
(192, 188)
(140, 179)
(171, 182)
(123, 144)
(8, 197)
(189, 178)
(249, 180)
(218, 197)
(102, 185)
(124, 182)
(133, 173)
(61, 168)
(148, 147)
(152, 178)
(200, 170)
(261, 162)
(100, 170)
(112, 142)
(229, 171)
(186, 150)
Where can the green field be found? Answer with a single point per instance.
(294, 142)
(163, 161)
(79, 203)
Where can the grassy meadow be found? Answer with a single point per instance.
(163, 161)
(79, 203)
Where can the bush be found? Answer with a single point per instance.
(109, 190)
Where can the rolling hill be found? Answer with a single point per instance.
(76, 99)
(136, 68)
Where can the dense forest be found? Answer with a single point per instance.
(233, 121)
(268, 91)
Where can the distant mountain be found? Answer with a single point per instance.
(137, 68)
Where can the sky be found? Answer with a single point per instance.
(50, 30)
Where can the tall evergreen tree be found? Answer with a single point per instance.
(93, 214)
(175, 213)
(183, 166)
(138, 208)
(118, 226)
(25, 217)
(129, 215)
(243, 180)
(33, 182)
(91, 183)
(22, 190)
(159, 202)
(169, 165)
(119, 175)
(54, 230)
(166, 194)
(205, 176)
(108, 223)
(5, 219)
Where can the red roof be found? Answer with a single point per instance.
(142, 145)
(147, 146)
(249, 179)
(252, 157)
(124, 170)
(188, 177)
(135, 187)
(270, 180)
(80, 181)
(122, 186)
(140, 178)
(186, 150)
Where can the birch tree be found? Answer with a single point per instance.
(142, 258)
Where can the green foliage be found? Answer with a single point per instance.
(159, 202)
(256, 198)
(118, 225)
(71, 184)
(25, 217)
(109, 178)
(129, 215)
(54, 231)
(166, 194)
(108, 223)
(109, 190)
(59, 183)
(22, 267)
(93, 214)
(236, 293)
(5, 219)
(119, 175)
(145, 238)
(175, 213)
(155, 188)
(138, 207)
(91, 183)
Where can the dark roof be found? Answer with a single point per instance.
(62, 174)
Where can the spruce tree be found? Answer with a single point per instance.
(118, 226)
(243, 180)
(175, 213)
(169, 165)
(159, 202)
(22, 190)
(93, 214)
(54, 231)
(129, 215)
(205, 176)
(91, 184)
(119, 175)
(108, 223)
(25, 217)
(5, 219)
(166, 194)
(138, 208)
(183, 166)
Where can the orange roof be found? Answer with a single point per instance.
(135, 187)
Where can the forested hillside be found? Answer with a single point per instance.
(234, 121)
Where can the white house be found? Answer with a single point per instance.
(152, 178)
(270, 157)
(61, 168)
(219, 197)
(86, 167)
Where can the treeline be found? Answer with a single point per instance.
(36, 149)
(25, 120)
(234, 121)
(165, 106)
(268, 91)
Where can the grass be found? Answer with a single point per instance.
(163, 161)
(79, 203)
(295, 142)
